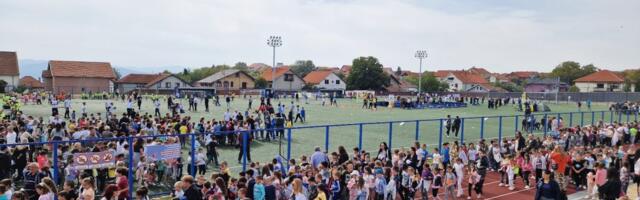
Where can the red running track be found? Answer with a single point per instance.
(492, 190)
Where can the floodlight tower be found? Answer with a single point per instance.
(420, 54)
(274, 41)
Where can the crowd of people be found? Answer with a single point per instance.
(598, 158)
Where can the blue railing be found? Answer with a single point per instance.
(590, 115)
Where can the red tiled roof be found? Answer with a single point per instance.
(139, 78)
(442, 73)
(258, 66)
(30, 82)
(523, 74)
(479, 70)
(602, 76)
(80, 69)
(9, 63)
(491, 88)
(469, 78)
(345, 69)
(316, 77)
(266, 74)
(160, 78)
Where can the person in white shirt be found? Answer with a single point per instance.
(11, 136)
(67, 107)
(459, 169)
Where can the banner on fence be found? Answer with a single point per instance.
(162, 152)
(93, 160)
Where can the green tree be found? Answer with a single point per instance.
(367, 74)
(574, 88)
(261, 83)
(303, 67)
(241, 66)
(429, 83)
(632, 78)
(509, 86)
(3, 84)
(569, 71)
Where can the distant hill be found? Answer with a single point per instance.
(32, 67)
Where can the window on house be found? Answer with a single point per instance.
(177, 84)
(615, 86)
(244, 85)
(218, 84)
(225, 84)
(167, 84)
(600, 85)
(337, 82)
(326, 82)
(238, 74)
(450, 78)
(288, 77)
(231, 83)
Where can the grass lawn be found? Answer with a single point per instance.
(349, 111)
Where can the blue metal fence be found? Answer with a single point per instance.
(465, 136)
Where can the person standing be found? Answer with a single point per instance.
(206, 103)
(156, 104)
(456, 125)
(67, 107)
(547, 189)
(447, 125)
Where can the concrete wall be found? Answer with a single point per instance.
(171, 82)
(334, 83)
(295, 85)
(78, 85)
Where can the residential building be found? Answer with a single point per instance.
(135, 82)
(284, 79)
(31, 83)
(78, 76)
(258, 67)
(480, 71)
(602, 81)
(325, 80)
(228, 80)
(397, 84)
(9, 69)
(464, 81)
(549, 85)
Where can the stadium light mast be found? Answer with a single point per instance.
(420, 54)
(273, 42)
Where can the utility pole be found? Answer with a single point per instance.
(420, 54)
(274, 41)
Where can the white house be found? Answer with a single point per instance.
(285, 79)
(9, 70)
(601, 81)
(463, 81)
(164, 83)
(325, 80)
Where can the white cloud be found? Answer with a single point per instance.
(500, 36)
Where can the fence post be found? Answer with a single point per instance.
(360, 137)
(627, 117)
(440, 138)
(636, 113)
(192, 168)
(245, 138)
(462, 132)
(482, 127)
(390, 134)
(417, 130)
(56, 168)
(602, 116)
(326, 139)
(130, 176)
(546, 125)
(619, 117)
(593, 117)
(571, 119)
(516, 123)
(611, 117)
(581, 119)
(500, 131)
(288, 146)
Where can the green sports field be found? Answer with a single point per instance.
(349, 112)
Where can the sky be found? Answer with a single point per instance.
(501, 36)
